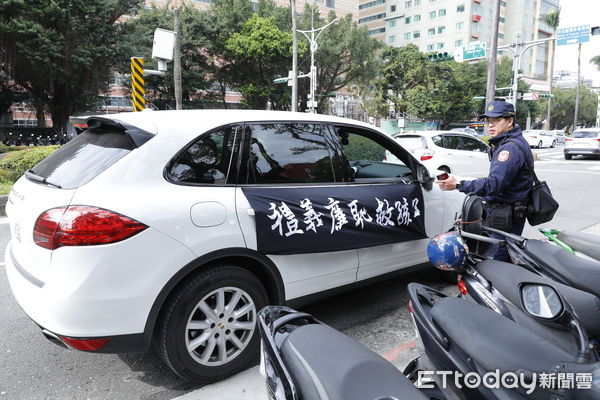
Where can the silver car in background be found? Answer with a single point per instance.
(585, 142)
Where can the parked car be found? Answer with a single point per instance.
(454, 152)
(478, 126)
(539, 138)
(176, 227)
(559, 136)
(583, 142)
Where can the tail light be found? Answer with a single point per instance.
(82, 226)
(410, 308)
(426, 155)
(85, 344)
(462, 287)
(568, 140)
(533, 137)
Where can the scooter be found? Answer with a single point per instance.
(480, 354)
(585, 245)
(302, 358)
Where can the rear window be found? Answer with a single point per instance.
(84, 157)
(585, 134)
(411, 142)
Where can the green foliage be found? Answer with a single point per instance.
(563, 108)
(61, 51)
(15, 164)
(596, 61)
(361, 148)
(5, 149)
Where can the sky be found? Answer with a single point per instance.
(575, 13)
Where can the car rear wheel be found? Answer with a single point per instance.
(207, 330)
(553, 144)
(568, 156)
(539, 146)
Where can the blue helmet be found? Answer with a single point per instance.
(447, 251)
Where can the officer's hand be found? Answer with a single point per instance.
(448, 184)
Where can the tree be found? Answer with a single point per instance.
(263, 51)
(564, 108)
(596, 61)
(195, 69)
(551, 19)
(61, 51)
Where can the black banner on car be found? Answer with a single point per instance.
(323, 219)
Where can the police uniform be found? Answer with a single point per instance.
(510, 178)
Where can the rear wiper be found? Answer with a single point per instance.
(31, 175)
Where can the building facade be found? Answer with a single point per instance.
(446, 25)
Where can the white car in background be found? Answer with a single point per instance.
(539, 138)
(454, 152)
(584, 142)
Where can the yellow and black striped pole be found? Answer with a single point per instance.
(137, 83)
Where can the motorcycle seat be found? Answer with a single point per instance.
(585, 243)
(506, 278)
(494, 341)
(579, 272)
(326, 364)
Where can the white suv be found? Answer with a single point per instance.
(177, 227)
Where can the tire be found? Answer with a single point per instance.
(205, 310)
(568, 156)
(553, 144)
(539, 146)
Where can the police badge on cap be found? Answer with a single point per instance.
(499, 109)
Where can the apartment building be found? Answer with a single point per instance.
(446, 25)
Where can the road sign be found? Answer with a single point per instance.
(137, 83)
(280, 80)
(474, 51)
(573, 35)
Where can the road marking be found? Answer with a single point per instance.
(4, 220)
(569, 171)
(594, 168)
(394, 353)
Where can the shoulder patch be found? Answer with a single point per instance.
(503, 155)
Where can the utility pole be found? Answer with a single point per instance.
(490, 93)
(294, 59)
(578, 85)
(313, 49)
(177, 58)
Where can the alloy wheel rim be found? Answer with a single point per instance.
(220, 326)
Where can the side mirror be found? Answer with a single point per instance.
(542, 301)
(423, 174)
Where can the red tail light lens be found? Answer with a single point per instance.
(462, 287)
(410, 307)
(568, 140)
(85, 344)
(82, 226)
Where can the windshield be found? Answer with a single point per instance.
(585, 134)
(411, 142)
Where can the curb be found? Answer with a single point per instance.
(3, 200)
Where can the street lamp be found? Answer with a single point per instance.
(312, 103)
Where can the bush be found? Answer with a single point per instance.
(5, 149)
(16, 163)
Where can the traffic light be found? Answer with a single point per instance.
(445, 56)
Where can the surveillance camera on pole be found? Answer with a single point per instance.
(162, 50)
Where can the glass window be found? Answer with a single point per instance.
(366, 157)
(87, 154)
(430, 47)
(408, 4)
(458, 43)
(585, 134)
(431, 1)
(417, 18)
(451, 142)
(441, 29)
(330, 3)
(471, 144)
(432, 14)
(460, 8)
(502, 19)
(392, 39)
(411, 142)
(431, 31)
(287, 153)
(503, 3)
(407, 20)
(392, 24)
(416, 34)
(407, 36)
(205, 161)
(417, 3)
(442, 12)
(501, 36)
(460, 26)
(440, 46)
(393, 8)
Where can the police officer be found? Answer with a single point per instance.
(507, 186)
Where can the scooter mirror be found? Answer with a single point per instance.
(541, 301)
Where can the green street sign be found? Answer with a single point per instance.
(473, 51)
(280, 80)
